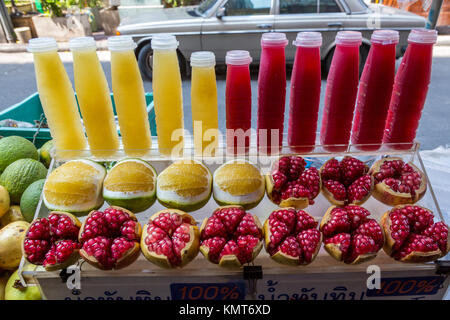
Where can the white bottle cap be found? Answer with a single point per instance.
(349, 38)
(164, 41)
(423, 36)
(203, 59)
(274, 39)
(121, 43)
(238, 57)
(81, 43)
(42, 45)
(385, 36)
(308, 39)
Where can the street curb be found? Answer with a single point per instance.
(443, 40)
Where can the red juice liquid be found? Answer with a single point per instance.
(305, 94)
(410, 90)
(238, 96)
(375, 89)
(271, 92)
(340, 94)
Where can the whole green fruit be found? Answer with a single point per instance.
(30, 199)
(14, 148)
(19, 175)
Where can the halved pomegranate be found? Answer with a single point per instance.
(346, 181)
(53, 241)
(291, 185)
(231, 237)
(350, 235)
(170, 239)
(397, 182)
(291, 237)
(110, 239)
(413, 236)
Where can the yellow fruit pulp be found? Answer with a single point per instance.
(130, 176)
(186, 178)
(239, 178)
(73, 183)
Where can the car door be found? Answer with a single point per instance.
(240, 27)
(293, 16)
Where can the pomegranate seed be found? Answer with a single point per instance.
(293, 233)
(51, 241)
(230, 231)
(292, 181)
(108, 236)
(354, 234)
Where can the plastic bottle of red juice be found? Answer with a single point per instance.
(410, 89)
(305, 92)
(238, 97)
(375, 89)
(271, 92)
(340, 94)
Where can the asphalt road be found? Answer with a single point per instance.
(17, 82)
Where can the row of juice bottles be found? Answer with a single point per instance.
(387, 109)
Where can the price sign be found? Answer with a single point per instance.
(411, 286)
(208, 291)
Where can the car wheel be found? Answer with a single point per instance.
(145, 61)
(363, 53)
(327, 62)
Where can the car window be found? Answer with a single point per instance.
(298, 6)
(328, 6)
(206, 5)
(247, 7)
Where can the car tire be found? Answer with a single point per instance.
(145, 59)
(363, 53)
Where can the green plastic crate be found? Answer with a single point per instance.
(30, 110)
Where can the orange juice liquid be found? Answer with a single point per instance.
(167, 95)
(59, 104)
(129, 97)
(204, 110)
(95, 103)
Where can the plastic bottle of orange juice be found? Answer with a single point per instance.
(94, 98)
(129, 96)
(167, 94)
(204, 103)
(57, 98)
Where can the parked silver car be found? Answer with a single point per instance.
(222, 25)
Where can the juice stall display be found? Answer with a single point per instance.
(271, 92)
(286, 225)
(341, 91)
(167, 93)
(204, 103)
(375, 89)
(57, 97)
(410, 89)
(94, 98)
(129, 96)
(238, 99)
(305, 92)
